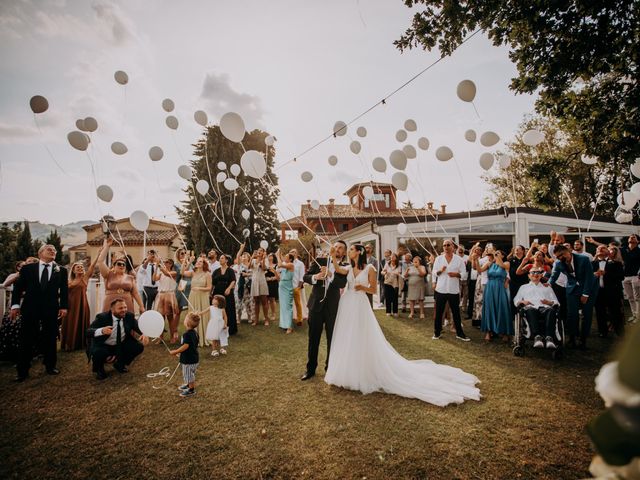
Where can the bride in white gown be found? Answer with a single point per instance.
(362, 359)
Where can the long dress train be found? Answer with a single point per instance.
(362, 359)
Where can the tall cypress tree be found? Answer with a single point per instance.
(24, 243)
(218, 214)
(7, 250)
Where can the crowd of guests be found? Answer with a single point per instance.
(486, 285)
(483, 282)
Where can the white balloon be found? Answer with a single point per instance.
(90, 124)
(367, 192)
(264, 244)
(470, 135)
(202, 187)
(532, 137)
(121, 77)
(119, 148)
(185, 172)
(444, 154)
(231, 184)
(38, 104)
(361, 132)
(489, 139)
(589, 160)
(222, 166)
(253, 164)
(398, 160)
(401, 135)
(635, 169)
(245, 213)
(151, 323)
(139, 220)
(268, 141)
(400, 181)
(355, 147)
(168, 105)
(200, 117)
(627, 200)
(87, 137)
(232, 127)
(306, 176)
(221, 177)
(339, 129)
(466, 91)
(333, 160)
(504, 161)
(635, 189)
(410, 125)
(78, 140)
(80, 124)
(623, 215)
(105, 193)
(315, 204)
(402, 228)
(172, 122)
(246, 233)
(235, 169)
(379, 164)
(156, 153)
(486, 160)
(409, 151)
(423, 143)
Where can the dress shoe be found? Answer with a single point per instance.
(120, 368)
(307, 376)
(53, 371)
(101, 375)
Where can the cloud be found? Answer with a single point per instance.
(344, 178)
(220, 97)
(120, 27)
(10, 134)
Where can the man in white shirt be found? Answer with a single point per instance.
(298, 285)
(405, 263)
(383, 262)
(538, 302)
(146, 272)
(212, 258)
(447, 271)
(578, 247)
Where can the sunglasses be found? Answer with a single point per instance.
(537, 272)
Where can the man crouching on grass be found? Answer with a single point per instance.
(116, 338)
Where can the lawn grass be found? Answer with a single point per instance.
(253, 418)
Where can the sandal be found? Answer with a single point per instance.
(266, 323)
(411, 315)
(289, 330)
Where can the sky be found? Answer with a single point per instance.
(290, 67)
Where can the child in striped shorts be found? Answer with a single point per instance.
(188, 352)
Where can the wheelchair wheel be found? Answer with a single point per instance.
(518, 351)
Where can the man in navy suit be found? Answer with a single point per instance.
(581, 291)
(40, 295)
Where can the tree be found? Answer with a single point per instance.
(552, 176)
(24, 243)
(55, 240)
(581, 55)
(218, 213)
(7, 251)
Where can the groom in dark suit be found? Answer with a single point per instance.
(114, 334)
(323, 302)
(42, 288)
(581, 291)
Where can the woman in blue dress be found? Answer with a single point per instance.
(285, 290)
(496, 310)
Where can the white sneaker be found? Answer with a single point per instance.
(631, 319)
(435, 337)
(538, 343)
(550, 344)
(215, 353)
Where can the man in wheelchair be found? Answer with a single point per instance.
(538, 305)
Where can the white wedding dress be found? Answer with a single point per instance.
(362, 359)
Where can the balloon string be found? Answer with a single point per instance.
(164, 372)
(405, 222)
(381, 102)
(204, 222)
(464, 190)
(476, 110)
(564, 190)
(206, 159)
(595, 206)
(44, 144)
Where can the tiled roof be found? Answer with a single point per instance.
(134, 237)
(152, 221)
(349, 211)
(361, 185)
